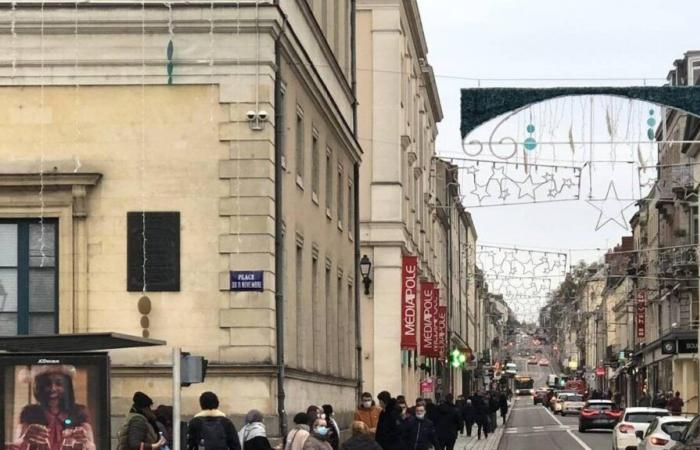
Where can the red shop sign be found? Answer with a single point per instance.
(442, 330)
(428, 315)
(641, 310)
(409, 284)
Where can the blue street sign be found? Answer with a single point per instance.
(247, 280)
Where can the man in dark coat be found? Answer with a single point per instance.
(448, 425)
(431, 411)
(418, 431)
(469, 416)
(389, 426)
(493, 410)
(503, 405)
(481, 415)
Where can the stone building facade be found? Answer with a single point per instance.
(234, 118)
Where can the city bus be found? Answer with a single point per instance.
(524, 385)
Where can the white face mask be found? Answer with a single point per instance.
(420, 415)
(323, 416)
(367, 404)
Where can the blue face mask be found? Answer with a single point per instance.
(322, 431)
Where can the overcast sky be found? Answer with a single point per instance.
(539, 39)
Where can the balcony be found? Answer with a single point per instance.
(678, 261)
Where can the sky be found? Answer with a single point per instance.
(527, 44)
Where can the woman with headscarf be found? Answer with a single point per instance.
(139, 431)
(56, 421)
(319, 436)
(253, 435)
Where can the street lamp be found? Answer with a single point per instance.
(365, 267)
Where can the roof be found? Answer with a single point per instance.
(639, 409)
(81, 342)
(667, 419)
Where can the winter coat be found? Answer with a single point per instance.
(659, 402)
(297, 437)
(360, 442)
(644, 400)
(480, 409)
(419, 434)
(389, 427)
(469, 413)
(314, 443)
(194, 429)
(370, 416)
(432, 412)
(503, 404)
(138, 430)
(333, 433)
(449, 422)
(675, 405)
(253, 437)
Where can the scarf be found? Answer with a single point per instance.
(251, 431)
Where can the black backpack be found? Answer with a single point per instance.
(213, 434)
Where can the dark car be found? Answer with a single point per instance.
(690, 438)
(598, 414)
(540, 397)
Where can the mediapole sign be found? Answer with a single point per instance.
(409, 283)
(428, 320)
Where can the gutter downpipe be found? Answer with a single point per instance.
(279, 237)
(356, 195)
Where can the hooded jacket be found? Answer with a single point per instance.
(389, 427)
(254, 437)
(194, 429)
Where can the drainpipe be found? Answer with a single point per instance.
(356, 194)
(279, 238)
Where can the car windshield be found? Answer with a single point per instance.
(644, 417)
(670, 427)
(573, 398)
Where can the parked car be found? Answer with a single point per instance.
(532, 361)
(598, 414)
(558, 401)
(540, 397)
(572, 404)
(658, 435)
(633, 425)
(544, 362)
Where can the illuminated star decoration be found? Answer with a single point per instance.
(610, 209)
(527, 187)
(480, 191)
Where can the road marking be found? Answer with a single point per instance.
(571, 433)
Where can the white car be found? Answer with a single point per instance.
(572, 404)
(558, 401)
(658, 435)
(511, 369)
(634, 420)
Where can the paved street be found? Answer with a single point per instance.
(533, 427)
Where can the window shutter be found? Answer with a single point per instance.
(162, 251)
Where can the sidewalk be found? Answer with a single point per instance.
(472, 443)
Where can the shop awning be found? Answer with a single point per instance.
(81, 342)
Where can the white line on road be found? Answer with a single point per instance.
(571, 433)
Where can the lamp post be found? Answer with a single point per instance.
(365, 268)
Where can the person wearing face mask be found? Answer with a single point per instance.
(401, 402)
(368, 413)
(334, 435)
(318, 440)
(418, 432)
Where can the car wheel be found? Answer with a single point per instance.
(562, 413)
(581, 429)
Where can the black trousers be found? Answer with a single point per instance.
(447, 444)
(482, 425)
(469, 424)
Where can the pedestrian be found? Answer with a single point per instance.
(418, 432)
(493, 411)
(333, 429)
(644, 400)
(368, 413)
(253, 435)
(503, 405)
(469, 416)
(299, 434)
(675, 404)
(361, 438)
(318, 440)
(448, 425)
(481, 415)
(313, 412)
(210, 428)
(412, 409)
(139, 429)
(617, 399)
(389, 426)
(401, 403)
(659, 400)
(431, 411)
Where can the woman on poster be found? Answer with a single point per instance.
(55, 421)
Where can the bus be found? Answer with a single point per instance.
(524, 385)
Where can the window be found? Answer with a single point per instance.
(315, 166)
(299, 290)
(696, 73)
(299, 147)
(351, 209)
(28, 281)
(162, 247)
(329, 180)
(340, 193)
(282, 106)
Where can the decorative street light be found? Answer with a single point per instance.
(365, 267)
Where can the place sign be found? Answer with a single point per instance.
(247, 281)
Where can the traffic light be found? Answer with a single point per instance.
(193, 369)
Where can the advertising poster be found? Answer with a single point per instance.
(409, 310)
(55, 402)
